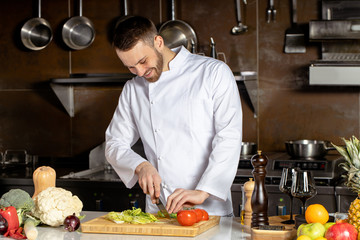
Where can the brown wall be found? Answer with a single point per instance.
(32, 118)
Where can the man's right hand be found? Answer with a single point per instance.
(149, 180)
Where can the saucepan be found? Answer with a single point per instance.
(248, 148)
(176, 32)
(36, 33)
(78, 32)
(309, 149)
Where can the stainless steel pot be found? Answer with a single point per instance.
(36, 33)
(311, 149)
(78, 32)
(248, 148)
(176, 32)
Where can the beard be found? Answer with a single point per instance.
(157, 70)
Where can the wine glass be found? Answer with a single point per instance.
(285, 187)
(303, 187)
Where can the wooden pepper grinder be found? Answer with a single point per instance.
(248, 188)
(259, 198)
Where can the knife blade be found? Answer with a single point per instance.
(162, 208)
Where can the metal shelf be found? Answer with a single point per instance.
(64, 87)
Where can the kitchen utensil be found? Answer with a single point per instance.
(240, 27)
(270, 12)
(308, 149)
(78, 32)
(166, 227)
(248, 148)
(176, 32)
(162, 208)
(212, 48)
(294, 36)
(303, 187)
(36, 33)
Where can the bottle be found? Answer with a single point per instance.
(281, 208)
(248, 188)
(259, 198)
(133, 201)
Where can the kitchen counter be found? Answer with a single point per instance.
(228, 228)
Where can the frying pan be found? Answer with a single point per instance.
(311, 149)
(78, 32)
(176, 32)
(36, 33)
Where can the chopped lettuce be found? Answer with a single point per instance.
(134, 216)
(172, 215)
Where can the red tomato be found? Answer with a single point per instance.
(186, 217)
(205, 215)
(199, 214)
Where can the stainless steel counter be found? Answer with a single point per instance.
(229, 228)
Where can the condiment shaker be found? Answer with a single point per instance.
(248, 188)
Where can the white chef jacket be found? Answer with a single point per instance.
(190, 123)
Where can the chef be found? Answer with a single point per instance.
(186, 110)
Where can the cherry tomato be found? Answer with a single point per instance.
(205, 215)
(186, 217)
(199, 214)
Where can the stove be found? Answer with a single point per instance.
(326, 171)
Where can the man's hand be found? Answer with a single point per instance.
(149, 180)
(185, 198)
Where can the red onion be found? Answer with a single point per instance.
(71, 223)
(3, 225)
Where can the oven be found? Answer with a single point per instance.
(326, 172)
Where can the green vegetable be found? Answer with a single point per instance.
(134, 216)
(172, 215)
(17, 198)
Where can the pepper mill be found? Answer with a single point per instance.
(259, 198)
(248, 188)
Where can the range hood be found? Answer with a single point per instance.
(339, 34)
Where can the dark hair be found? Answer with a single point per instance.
(132, 29)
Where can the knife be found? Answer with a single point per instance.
(162, 208)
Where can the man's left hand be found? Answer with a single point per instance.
(185, 198)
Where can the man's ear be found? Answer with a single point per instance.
(158, 42)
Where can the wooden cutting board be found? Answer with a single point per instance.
(165, 227)
(288, 234)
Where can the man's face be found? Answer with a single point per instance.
(143, 60)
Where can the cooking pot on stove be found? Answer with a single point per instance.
(312, 149)
(248, 148)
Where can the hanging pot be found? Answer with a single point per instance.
(36, 33)
(176, 32)
(78, 32)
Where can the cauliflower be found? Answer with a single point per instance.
(54, 204)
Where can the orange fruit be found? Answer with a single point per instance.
(320, 238)
(316, 213)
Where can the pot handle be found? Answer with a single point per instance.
(39, 8)
(173, 10)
